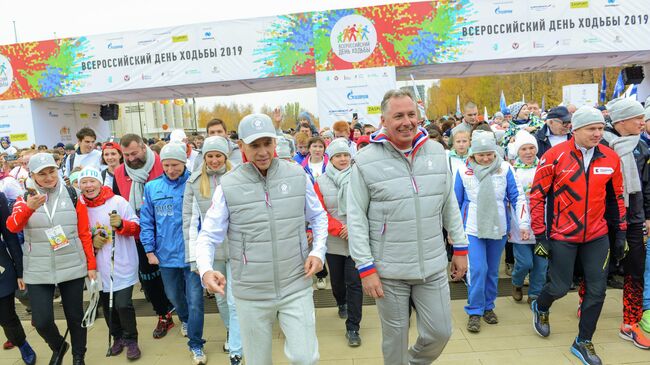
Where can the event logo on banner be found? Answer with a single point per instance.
(6, 74)
(353, 38)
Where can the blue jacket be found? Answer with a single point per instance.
(11, 255)
(161, 220)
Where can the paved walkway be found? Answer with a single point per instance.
(512, 341)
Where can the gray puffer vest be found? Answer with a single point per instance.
(266, 231)
(405, 214)
(43, 265)
(335, 245)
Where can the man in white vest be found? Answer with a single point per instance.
(400, 197)
(261, 208)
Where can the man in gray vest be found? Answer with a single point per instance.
(399, 199)
(261, 208)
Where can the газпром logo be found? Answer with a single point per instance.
(353, 38)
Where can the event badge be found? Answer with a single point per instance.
(57, 238)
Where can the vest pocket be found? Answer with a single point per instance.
(243, 260)
(382, 241)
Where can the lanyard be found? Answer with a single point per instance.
(56, 203)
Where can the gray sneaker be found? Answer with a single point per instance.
(474, 324)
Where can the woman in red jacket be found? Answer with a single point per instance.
(58, 251)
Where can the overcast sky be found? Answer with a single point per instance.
(40, 20)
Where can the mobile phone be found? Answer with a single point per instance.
(355, 116)
(32, 191)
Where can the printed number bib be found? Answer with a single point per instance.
(57, 238)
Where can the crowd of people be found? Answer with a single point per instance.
(261, 216)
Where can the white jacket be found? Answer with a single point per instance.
(525, 179)
(506, 189)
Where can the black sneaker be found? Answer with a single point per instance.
(540, 320)
(235, 360)
(78, 360)
(343, 311)
(614, 282)
(354, 340)
(57, 356)
(584, 350)
(474, 324)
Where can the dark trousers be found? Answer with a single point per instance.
(10, 322)
(41, 296)
(633, 267)
(346, 287)
(510, 253)
(123, 324)
(323, 273)
(152, 283)
(594, 258)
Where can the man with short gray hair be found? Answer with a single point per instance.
(400, 196)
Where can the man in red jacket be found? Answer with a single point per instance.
(141, 165)
(571, 181)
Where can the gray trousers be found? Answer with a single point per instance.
(433, 310)
(298, 323)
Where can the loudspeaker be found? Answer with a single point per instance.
(109, 111)
(633, 75)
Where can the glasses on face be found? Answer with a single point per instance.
(561, 122)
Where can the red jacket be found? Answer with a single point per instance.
(334, 226)
(123, 181)
(576, 199)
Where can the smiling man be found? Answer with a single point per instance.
(86, 155)
(261, 208)
(399, 198)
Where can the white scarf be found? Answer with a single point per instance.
(139, 177)
(624, 147)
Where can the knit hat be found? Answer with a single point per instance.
(174, 151)
(40, 161)
(497, 115)
(5, 139)
(327, 134)
(515, 108)
(586, 115)
(647, 113)
(73, 177)
(215, 143)
(255, 126)
(90, 173)
(177, 135)
(483, 141)
(339, 145)
(283, 148)
(522, 138)
(624, 108)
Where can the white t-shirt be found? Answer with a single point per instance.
(316, 168)
(11, 188)
(93, 158)
(125, 273)
(555, 140)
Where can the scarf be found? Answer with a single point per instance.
(624, 147)
(518, 164)
(104, 194)
(341, 179)
(454, 154)
(418, 141)
(486, 208)
(138, 178)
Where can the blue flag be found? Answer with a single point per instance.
(458, 105)
(502, 103)
(619, 87)
(603, 89)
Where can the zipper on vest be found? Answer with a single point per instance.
(416, 199)
(274, 248)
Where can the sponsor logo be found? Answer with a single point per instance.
(500, 10)
(591, 40)
(112, 45)
(515, 45)
(180, 38)
(353, 38)
(215, 70)
(563, 42)
(603, 170)
(579, 4)
(169, 73)
(495, 46)
(6, 74)
(52, 115)
(284, 188)
(542, 7)
(144, 42)
(127, 78)
(192, 72)
(611, 3)
(538, 45)
(145, 77)
(352, 96)
(618, 39)
(207, 35)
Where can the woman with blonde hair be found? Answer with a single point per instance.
(198, 198)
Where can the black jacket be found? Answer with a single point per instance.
(543, 144)
(11, 255)
(639, 207)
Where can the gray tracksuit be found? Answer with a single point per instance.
(335, 245)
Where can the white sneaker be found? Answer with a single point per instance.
(321, 283)
(184, 329)
(198, 356)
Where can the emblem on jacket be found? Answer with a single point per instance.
(284, 188)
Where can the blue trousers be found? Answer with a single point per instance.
(527, 262)
(184, 290)
(483, 274)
